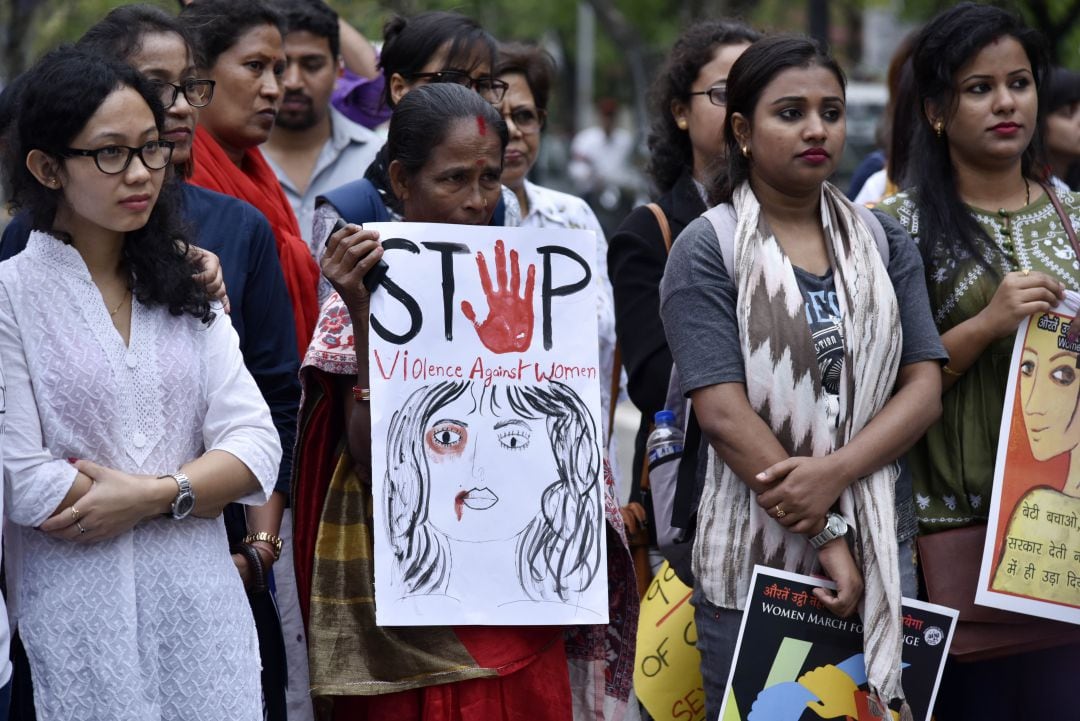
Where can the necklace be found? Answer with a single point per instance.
(114, 311)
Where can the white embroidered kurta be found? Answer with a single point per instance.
(152, 624)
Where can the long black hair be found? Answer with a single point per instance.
(749, 77)
(947, 228)
(409, 43)
(670, 152)
(57, 97)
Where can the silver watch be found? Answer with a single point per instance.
(835, 527)
(184, 503)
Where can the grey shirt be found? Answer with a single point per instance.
(698, 301)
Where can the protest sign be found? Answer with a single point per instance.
(667, 669)
(1031, 560)
(795, 660)
(485, 405)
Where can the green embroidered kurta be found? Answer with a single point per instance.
(953, 465)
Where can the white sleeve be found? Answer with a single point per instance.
(34, 481)
(237, 419)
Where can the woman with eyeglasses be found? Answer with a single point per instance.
(130, 418)
(686, 148)
(154, 43)
(239, 45)
(432, 47)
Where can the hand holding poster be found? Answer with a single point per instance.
(1031, 560)
(795, 660)
(485, 406)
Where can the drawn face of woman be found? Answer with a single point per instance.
(1049, 390)
(488, 470)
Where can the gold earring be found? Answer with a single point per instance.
(746, 151)
(939, 128)
(681, 122)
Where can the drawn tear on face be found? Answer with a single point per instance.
(481, 125)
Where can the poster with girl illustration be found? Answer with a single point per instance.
(487, 470)
(1031, 559)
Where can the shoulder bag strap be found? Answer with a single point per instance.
(662, 221)
(616, 370)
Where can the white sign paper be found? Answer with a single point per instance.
(485, 407)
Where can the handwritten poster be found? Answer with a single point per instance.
(1031, 560)
(796, 661)
(485, 406)
(667, 667)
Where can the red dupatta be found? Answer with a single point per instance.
(256, 183)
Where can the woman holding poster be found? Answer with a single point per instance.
(445, 155)
(996, 252)
(828, 370)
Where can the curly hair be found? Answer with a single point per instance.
(534, 63)
(56, 99)
(670, 153)
(558, 553)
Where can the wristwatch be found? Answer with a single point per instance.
(184, 503)
(835, 527)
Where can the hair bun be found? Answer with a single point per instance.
(394, 27)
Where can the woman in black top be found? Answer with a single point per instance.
(686, 145)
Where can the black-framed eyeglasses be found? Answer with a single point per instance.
(717, 94)
(115, 159)
(488, 87)
(527, 120)
(197, 91)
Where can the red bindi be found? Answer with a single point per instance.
(481, 124)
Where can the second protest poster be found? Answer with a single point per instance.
(795, 660)
(1031, 560)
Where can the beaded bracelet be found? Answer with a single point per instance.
(361, 395)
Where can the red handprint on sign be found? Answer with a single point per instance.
(509, 324)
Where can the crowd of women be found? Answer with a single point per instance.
(187, 435)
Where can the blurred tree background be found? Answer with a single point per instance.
(624, 40)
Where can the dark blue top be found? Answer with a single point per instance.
(261, 310)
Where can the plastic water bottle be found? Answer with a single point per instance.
(665, 443)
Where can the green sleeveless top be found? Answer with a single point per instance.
(953, 465)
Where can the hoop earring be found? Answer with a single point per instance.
(939, 129)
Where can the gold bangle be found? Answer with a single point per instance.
(265, 537)
(950, 372)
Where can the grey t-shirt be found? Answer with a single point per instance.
(698, 299)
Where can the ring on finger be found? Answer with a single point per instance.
(80, 527)
(75, 514)
(780, 512)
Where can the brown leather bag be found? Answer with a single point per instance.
(950, 562)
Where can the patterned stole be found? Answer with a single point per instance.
(783, 385)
